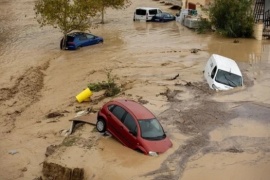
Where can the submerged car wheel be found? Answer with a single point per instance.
(61, 44)
(101, 125)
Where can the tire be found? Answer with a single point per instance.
(101, 125)
(61, 44)
(78, 47)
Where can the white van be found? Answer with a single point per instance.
(222, 73)
(145, 13)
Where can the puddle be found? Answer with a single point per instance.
(238, 150)
(104, 161)
(224, 166)
(241, 127)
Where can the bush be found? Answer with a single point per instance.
(204, 26)
(232, 18)
(110, 87)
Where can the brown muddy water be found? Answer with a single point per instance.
(216, 135)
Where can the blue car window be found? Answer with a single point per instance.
(70, 39)
(82, 37)
(90, 36)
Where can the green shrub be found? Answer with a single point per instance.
(204, 26)
(232, 18)
(110, 87)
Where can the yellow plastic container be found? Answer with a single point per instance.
(84, 95)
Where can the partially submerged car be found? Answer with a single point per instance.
(163, 17)
(222, 73)
(76, 40)
(145, 13)
(134, 126)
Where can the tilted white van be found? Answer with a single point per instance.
(222, 73)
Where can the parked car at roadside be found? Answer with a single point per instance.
(163, 17)
(222, 73)
(134, 126)
(76, 40)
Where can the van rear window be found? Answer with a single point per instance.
(141, 12)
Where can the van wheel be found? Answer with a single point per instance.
(101, 125)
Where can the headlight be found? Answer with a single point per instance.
(151, 153)
(215, 87)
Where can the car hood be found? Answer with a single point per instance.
(221, 86)
(158, 146)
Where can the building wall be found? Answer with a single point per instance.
(201, 2)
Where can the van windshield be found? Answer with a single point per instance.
(228, 78)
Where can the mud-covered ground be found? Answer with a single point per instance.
(215, 135)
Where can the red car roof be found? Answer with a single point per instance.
(138, 110)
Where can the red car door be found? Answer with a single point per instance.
(130, 131)
(123, 127)
(115, 124)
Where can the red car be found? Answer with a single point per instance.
(134, 126)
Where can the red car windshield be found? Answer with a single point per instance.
(151, 129)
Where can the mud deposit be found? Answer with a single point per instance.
(215, 135)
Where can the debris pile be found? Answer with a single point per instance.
(58, 172)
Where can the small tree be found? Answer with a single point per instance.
(115, 4)
(67, 15)
(232, 18)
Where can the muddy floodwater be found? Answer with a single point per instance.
(215, 135)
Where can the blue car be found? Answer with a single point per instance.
(76, 40)
(163, 17)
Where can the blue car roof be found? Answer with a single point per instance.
(166, 13)
(76, 34)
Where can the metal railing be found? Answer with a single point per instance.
(259, 10)
(266, 30)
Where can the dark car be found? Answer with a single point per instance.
(76, 40)
(134, 126)
(163, 17)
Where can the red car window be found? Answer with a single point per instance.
(130, 123)
(118, 112)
